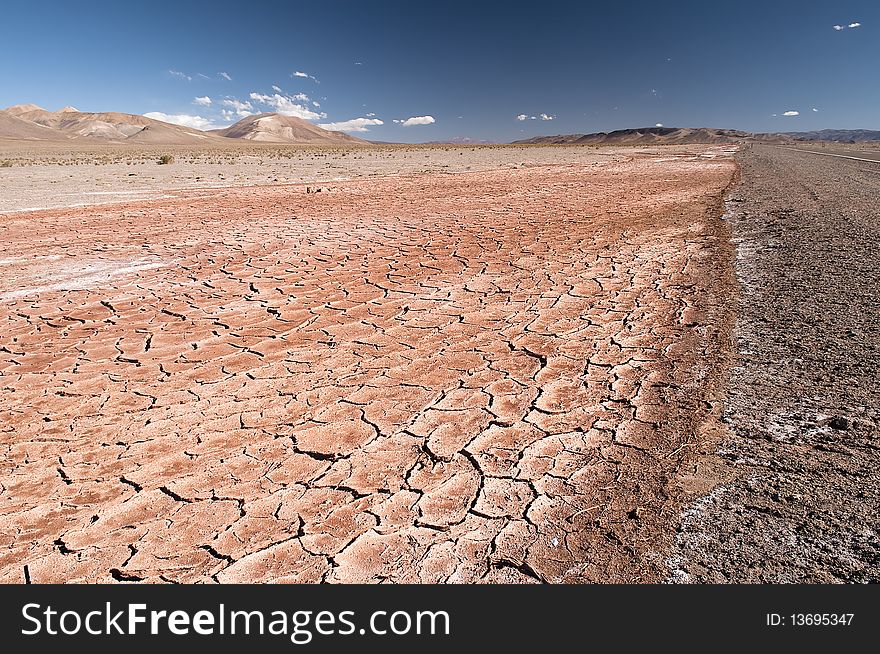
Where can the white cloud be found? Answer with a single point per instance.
(287, 105)
(816, 110)
(659, 125)
(791, 113)
(224, 76)
(196, 122)
(854, 25)
(353, 125)
(237, 108)
(179, 75)
(299, 73)
(522, 117)
(547, 117)
(839, 27)
(202, 101)
(418, 120)
(277, 89)
(203, 76)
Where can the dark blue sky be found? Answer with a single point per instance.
(471, 66)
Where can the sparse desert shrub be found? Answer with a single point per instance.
(6, 163)
(166, 159)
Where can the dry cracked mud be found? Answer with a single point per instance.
(431, 378)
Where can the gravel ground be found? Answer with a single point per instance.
(800, 459)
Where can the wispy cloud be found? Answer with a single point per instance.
(186, 120)
(203, 76)
(522, 117)
(816, 110)
(179, 75)
(791, 113)
(225, 76)
(237, 108)
(202, 101)
(299, 73)
(353, 125)
(288, 105)
(853, 25)
(547, 117)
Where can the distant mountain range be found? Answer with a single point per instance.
(684, 135)
(462, 140)
(28, 122)
(647, 136)
(840, 135)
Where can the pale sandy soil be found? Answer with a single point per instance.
(49, 176)
(472, 377)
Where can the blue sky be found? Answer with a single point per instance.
(476, 69)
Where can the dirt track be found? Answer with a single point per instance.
(433, 378)
(801, 460)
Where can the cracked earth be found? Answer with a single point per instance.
(492, 377)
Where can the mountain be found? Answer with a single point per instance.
(19, 109)
(13, 127)
(840, 135)
(30, 122)
(276, 128)
(648, 136)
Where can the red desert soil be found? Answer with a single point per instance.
(475, 377)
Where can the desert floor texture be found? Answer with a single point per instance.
(443, 364)
(434, 377)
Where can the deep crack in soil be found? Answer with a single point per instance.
(480, 377)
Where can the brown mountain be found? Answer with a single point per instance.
(276, 128)
(19, 109)
(30, 122)
(839, 135)
(653, 136)
(13, 127)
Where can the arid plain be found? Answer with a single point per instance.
(414, 376)
(410, 364)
